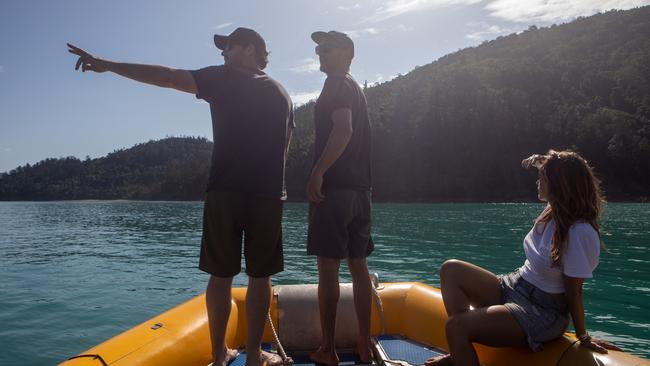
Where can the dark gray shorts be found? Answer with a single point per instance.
(541, 316)
(232, 217)
(339, 226)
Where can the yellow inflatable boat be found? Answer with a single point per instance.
(407, 319)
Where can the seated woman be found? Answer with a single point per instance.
(531, 305)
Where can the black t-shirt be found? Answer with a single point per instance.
(250, 115)
(352, 169)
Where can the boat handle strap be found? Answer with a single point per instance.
(93, 356)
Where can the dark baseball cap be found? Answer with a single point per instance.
(241, 36)
(334, 38)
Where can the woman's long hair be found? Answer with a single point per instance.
(574, 194)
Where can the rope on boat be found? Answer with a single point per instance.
(374, 278)
(565, 351)
(286, 360)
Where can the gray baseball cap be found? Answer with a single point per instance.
(334, 38)
(242, 36)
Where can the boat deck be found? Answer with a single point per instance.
(398, 349)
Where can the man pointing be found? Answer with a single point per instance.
(252, 122)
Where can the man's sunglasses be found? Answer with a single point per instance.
(324, 48)
(231, 45)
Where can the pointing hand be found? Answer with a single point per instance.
(86, 60)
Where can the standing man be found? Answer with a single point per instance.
(252, 122)
(339, 192)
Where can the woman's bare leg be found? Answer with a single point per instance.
(492, 326)
(464, 284)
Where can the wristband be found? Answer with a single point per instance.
(584, 338)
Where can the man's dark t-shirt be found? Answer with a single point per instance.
(352, 169)
(251, 113)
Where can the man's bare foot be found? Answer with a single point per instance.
(270, 359)
(325, 357)
(224, 357)
(440, 360)
(364, 353)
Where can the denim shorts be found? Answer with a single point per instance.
(541, 316)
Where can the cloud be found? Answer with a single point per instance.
(394, 8)
(359, 32)
(304, 97)
(404, 28)
(222, 25)
(2, 69)
(531, 11)
(307, 66)
(379, 78)
(346, 8)
(524, 11)
(483, 31)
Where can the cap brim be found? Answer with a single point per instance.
(220, 41)
(319, 37)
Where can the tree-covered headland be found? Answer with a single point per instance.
(170, 169)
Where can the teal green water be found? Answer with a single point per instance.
(76, 273)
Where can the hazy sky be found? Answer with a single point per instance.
(49, 110)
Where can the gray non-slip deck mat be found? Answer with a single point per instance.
(402, 349)
(345, 358)
(396, 348)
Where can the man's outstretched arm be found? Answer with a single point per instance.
(163, 76)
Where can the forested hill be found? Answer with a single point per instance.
(170, 169)
(457, 129)
(452, 130)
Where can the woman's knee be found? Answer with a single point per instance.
(450, 268)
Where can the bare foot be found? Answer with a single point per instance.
(324, 357)
(270, 359)
(364, 353)
(265, 359)
(225, 357)
(441, 360)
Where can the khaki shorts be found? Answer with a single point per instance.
(229, 217)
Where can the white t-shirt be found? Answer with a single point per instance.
(579, 259)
